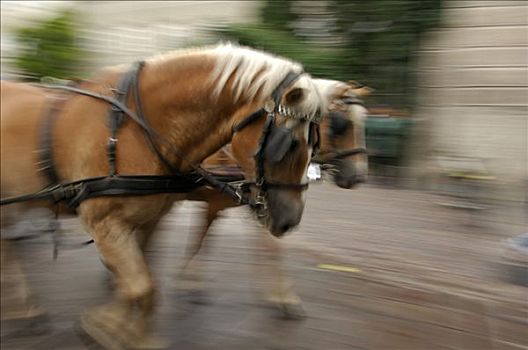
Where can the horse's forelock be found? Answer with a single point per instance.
(335, 89)
(330, 89)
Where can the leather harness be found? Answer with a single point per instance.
(73, 193)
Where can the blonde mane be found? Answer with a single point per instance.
(253, 73)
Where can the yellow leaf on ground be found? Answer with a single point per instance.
(340, 268)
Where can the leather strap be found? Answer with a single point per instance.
(45, 151)
(287, 81)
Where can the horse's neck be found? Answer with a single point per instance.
(178, 104)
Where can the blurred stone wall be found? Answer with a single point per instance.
(116, 32)
(123, 31)
(473, 89)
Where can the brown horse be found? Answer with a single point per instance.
(194, 100)
(342, 134)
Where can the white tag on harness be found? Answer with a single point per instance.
(314, 172)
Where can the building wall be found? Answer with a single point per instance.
(127, 30)
(473, 88)
(123, 31)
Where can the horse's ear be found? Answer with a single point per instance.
(354, 84)
(359, 89)
(363, 91)
(295, 96)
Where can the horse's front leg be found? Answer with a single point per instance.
(191, 280)
(197, 239)
(124, 322)
(145, 233)
(278, 287)
(17, 305)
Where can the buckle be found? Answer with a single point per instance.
(260, 207)
(269, 106)
(239, 198)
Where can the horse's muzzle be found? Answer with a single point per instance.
(349, 182)
(285, 209)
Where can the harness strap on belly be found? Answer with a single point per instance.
(129, 185)
(134, 185)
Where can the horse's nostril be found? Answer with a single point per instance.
(285, 227)
(280, 229)
(343, 182)
(350, 182)
(360, 179)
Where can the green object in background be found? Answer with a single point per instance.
(50, 48)
(386, 138)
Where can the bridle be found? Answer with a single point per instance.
(270, 109)
(336, 156)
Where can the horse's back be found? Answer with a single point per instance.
(22, 110)
(14, 93)
(20, 106)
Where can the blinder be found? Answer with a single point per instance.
(279, 142)
(339, 123)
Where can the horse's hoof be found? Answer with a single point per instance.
(292, 311)
(88, 341)
(110, 327)
(151, 342)
(26, 327)
(95, 338)
(288, 307)
(40, 325)
(92, 334)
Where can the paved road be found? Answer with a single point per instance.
(399, 272)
